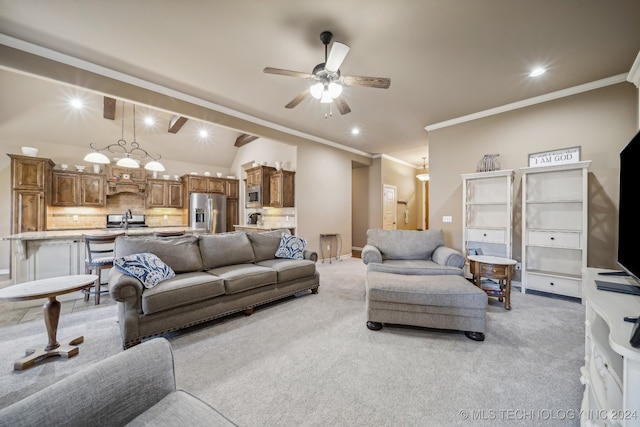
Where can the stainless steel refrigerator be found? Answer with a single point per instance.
(208, 212)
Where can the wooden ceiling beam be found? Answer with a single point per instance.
(109, 108)
(176, 123)
(244, 139)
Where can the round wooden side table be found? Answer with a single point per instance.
(48, 288)
(494, 268)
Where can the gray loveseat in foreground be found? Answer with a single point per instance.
(216, 275)
(136, 387)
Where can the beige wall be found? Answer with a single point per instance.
(601, 121)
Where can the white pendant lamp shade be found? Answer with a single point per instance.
(424, 174)
(128, 162)
(154, 166)
(121, 145)
(335, 90)
(95, 157)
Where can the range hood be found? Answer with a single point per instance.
(119, 187)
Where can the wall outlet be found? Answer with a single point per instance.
(166, 217)
(447, 218)
(518, 266)
(75, 217)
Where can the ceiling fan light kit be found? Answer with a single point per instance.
(327, 83)
(128, 161)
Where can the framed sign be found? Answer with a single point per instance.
(555, 157)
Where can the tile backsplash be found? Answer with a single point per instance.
(60, 217)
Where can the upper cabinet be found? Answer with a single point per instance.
(123, 180)
(205, 184)
(77, 189)
(29, 183)
(30, 173)
(282, 189)
(162, 193)
(554, 228)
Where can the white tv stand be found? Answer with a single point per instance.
(611, 371)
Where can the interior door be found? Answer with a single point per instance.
(389, 214)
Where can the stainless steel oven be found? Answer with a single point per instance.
(254, 197)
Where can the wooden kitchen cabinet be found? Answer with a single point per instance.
(232, 213)
(260, 176)
(282, 189)
(216, 185)
(29, 182)
(164, 194)
(232, 188)
(77, 189)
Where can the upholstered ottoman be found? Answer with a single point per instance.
(431, 301)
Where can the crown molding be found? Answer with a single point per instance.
(634, 73)
(531, 101)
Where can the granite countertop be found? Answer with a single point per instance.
(78, 233)
(262, 227)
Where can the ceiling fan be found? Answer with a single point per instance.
(327, 86)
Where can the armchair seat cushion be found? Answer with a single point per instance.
(180, 408)
(413, 267)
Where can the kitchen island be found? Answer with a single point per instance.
(39, 255)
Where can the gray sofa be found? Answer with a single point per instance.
(410, 252)
(216, 275)
(136, 387)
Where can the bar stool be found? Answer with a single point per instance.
(100, 255)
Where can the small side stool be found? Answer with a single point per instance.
(100, 255)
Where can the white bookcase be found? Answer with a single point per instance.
(487, 203)
(554, 228)
(611, 371)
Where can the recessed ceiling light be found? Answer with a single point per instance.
(203, 133)
(76, 103)
(149, 121)
(537, 72)
(355, 131)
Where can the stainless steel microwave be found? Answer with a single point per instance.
(254, 196)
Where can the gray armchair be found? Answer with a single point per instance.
(136, 388)
(411, 252)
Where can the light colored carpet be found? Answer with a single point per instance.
(311, 361)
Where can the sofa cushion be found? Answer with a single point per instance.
(146, 267)
(225, 249)
(405, 244)
(182, 254)
(180, 408)
(265, 244)
(183, 289)
(242, 277)
(290, 269)
(291, 247)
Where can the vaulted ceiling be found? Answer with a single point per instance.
(445, 58)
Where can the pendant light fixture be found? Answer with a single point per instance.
(131, 156)
(424, 175)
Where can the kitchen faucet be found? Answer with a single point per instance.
(126, 217)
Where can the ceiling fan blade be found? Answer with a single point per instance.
(298, 99)
(377, 82)
(336, 56)
(342, 105)
(281, 72)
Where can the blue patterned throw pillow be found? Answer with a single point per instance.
(146, 267)
(291, 247)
